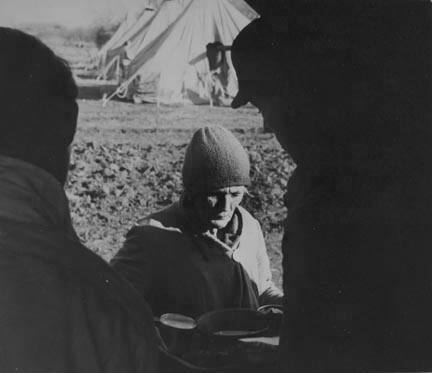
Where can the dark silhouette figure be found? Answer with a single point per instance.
(62, 308)
(346, 88)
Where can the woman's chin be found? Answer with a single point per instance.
(220, 223)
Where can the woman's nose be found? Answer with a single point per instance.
(226, 203)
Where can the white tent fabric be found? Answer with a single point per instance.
(173, 68)
(139, 31)
(129, 29)
(168, 13)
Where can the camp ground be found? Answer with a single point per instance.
(283, 229)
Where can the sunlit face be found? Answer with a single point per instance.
(215, 209)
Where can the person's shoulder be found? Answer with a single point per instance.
(156, 229)
(53, 258)
(165, 218)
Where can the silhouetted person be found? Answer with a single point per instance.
(62, 309)
(346, 88)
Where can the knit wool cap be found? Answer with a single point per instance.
(214, 159)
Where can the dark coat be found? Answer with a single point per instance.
(357, 247)
(176, 270)
(62, 308)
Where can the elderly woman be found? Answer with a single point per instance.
(204, 252)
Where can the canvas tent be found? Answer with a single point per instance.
(132, 36)
(171, 66)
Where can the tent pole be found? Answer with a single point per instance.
(104, 73)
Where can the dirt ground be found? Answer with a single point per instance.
(127, 159)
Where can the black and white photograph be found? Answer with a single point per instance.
(226, 186)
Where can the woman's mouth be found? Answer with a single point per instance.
(222, 216)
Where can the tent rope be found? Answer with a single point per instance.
(122, 89)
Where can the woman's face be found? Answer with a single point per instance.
(215, 209)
